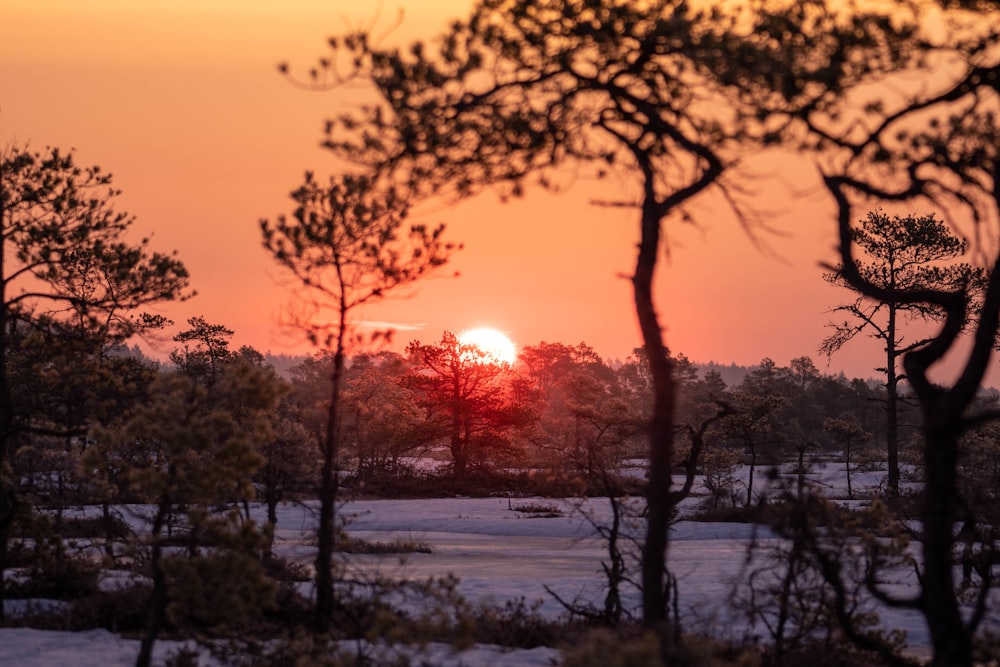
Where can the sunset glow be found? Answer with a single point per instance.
(183, 102)
(496, 347)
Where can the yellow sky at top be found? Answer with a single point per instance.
(182, 101)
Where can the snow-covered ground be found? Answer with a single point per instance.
(500, 554)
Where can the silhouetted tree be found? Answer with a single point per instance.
(186, 455)
(905, 252)
(848, 434)
(935, 147)
(289, 457)
(467, 396)
(205, 350)
(346, 246)
(382, 419)
(753, 428)
(586, 417)
(64, 255)
(56, 408)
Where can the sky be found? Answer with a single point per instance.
(182, 101)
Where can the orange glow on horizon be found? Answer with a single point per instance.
(183, 103)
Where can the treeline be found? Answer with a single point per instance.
(440, 416)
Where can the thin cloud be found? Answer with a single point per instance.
(397, 326)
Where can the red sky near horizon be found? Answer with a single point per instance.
(183, 103)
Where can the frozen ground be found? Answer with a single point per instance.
(499, 554)
(99, 648)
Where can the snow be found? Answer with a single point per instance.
(41, 648)
(498, 555)
(25, 647)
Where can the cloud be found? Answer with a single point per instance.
(396, 326)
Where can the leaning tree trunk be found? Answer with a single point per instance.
(661, 429)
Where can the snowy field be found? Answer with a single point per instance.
(500, 554)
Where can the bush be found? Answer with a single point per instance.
(53, 574)
(284, 570)
(119, 611)
(818, 653)
(221, 591)
(543, 510)
(516, 624)
(630, 647)
(297, 650)
(92, 528)
(604, 648)
(741, 514)
(351, 545)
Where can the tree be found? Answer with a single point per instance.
(585, 416)
(467, 398)
(289, 460)
(849, 434)
(751, 426)
(382, 417)
(191, 454)
(933, 147)
(670, 97)
(905, 252)
(64, 256)
(346, 245)
(56, 409)
(205, 350)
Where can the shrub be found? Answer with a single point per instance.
(516, 624)
(96, 527)
(119, 611)
(543, 510)
(222, 591)
(631, 648)
(53, 574)
(351, 545)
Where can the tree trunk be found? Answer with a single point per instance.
(271, 500)
(109, 530)
(615, 569)
(892, 405)
(950, 638)
(8, 492)
(272, 509)
(158, 598)
(459, 446)
(460, 459)
(8, 504)
(847, 463)
(661, 429)
(326, 534)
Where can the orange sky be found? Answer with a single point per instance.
(182, 101)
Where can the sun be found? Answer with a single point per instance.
(495, 346)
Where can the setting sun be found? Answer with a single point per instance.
(496, 346)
